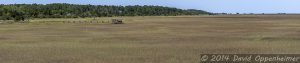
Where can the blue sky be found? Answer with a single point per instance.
(228, 6)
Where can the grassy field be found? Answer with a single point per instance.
(178, 39)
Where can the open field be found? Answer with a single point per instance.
(149, 39)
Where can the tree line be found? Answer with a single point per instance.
(20, 12)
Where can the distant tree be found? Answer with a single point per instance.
(20, 12)
(18, 16)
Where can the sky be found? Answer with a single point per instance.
(217, 6)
